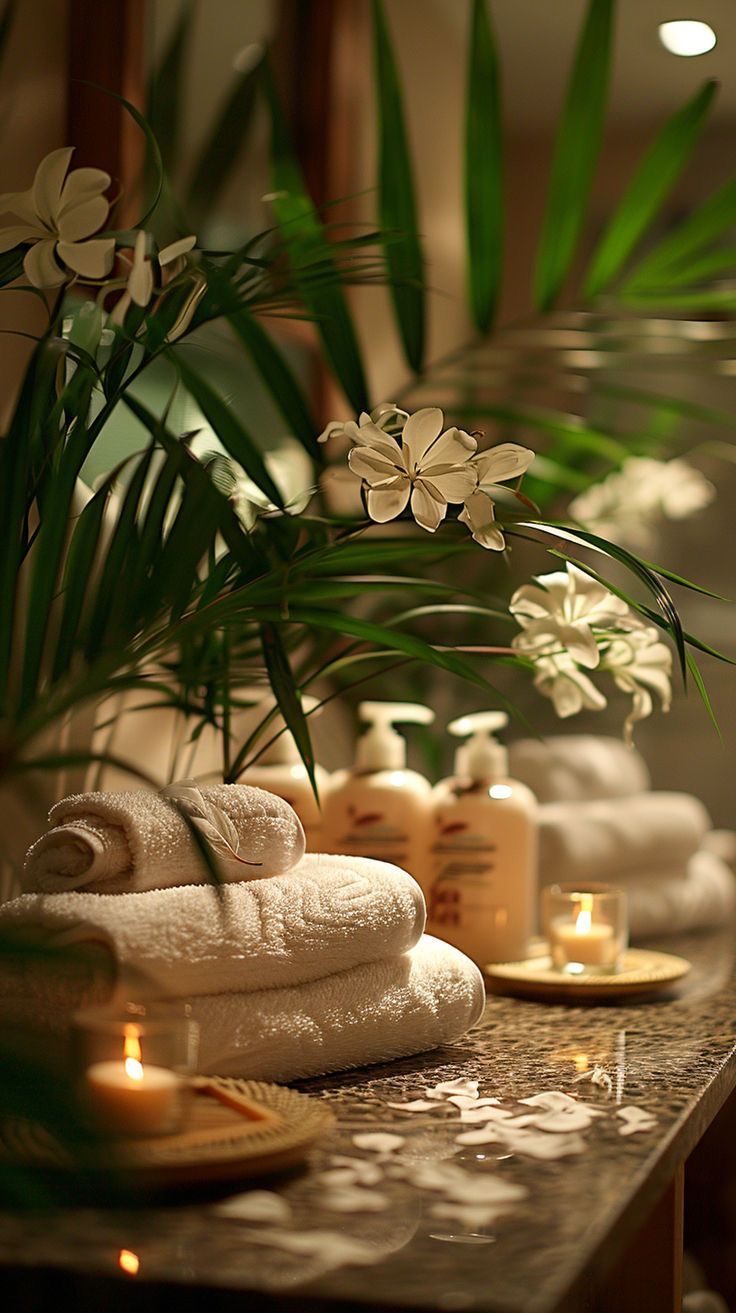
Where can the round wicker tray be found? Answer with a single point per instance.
(643, 972)
(220, 1143)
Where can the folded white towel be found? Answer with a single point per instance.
(604, 839)
(328, 914)
(118, 842)
(566, 767)
(371, 1013)
(704, 900)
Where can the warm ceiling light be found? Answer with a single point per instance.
(686, 36)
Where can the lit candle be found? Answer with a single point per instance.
(130, 1099)
(583, 941)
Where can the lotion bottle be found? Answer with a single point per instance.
(379, 808)
(280, 770)
(483, 859)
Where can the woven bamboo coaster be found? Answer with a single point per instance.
(237, 1129)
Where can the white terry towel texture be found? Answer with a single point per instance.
(578, 767)
(661, 904)
(117, 842)
(371, 1013)
(610, 837)
(328, 914)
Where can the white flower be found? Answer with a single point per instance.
(571, 691)
(561, 609)
(506, 461)
(639, 662)
(140, 284)
(630, 502)
(57, 216)
(387, 416)
(428, 466)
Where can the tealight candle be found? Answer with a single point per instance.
(586, 928)
(128, 1098)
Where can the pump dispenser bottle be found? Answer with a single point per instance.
(280, 770)
(379, 808)
(483, 859)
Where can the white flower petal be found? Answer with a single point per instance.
(378, 1141)
(420, 431)
(506, 461)
(478, 514)
(20, 203)
(80, 185)
(373, 466)
(48, 183)
(176, 249)
(93, 259)
(140, 279)
(385, 504)
(41, 267)
(14, 234)
(428, 511)
(82, 220)
(453, 484)
(453, 448)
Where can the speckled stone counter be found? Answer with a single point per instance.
(675, 1057)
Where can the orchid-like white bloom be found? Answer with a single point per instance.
(506, 461)
(140, 284)
(640, 664)
(56, 218)
(629, 503)
(387, 417)
(571, 690)
(560, 610)
(570, 625)
(428, 466)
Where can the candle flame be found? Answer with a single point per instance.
(129, 1262)
(132, 1056)
(584, 917)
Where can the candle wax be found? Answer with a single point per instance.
(124, 1106)
(594, 946)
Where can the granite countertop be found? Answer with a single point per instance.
(674, 1057)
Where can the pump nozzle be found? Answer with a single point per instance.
(480, 758)
(381, 748)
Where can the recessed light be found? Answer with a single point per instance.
(687, 37)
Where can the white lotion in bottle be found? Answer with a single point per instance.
(280, 770)
(379, 808)
(483, 857)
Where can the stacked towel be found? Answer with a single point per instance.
(140, 840)
(607, 837)
(326, 916)
(598, 822)
(578, 767)
(288, 975)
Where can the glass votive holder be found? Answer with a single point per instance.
(586, 927)
(133, 1066)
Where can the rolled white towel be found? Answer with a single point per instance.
(604, 839)
(328, 914)
(371, 1013)
(570, 767)
(118, 842)
(704, 900)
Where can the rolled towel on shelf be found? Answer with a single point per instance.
(704, 900)
(328, 914)
(371, 1013)
(578, 767)
(119, 842)
(603, 839)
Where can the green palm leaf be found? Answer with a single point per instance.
(715, 216)
(396, 199)
(278, 378)
(304, 236)
(652, 181)
(575, 154)
(483, 171)
(285, 690)
(223, 144)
